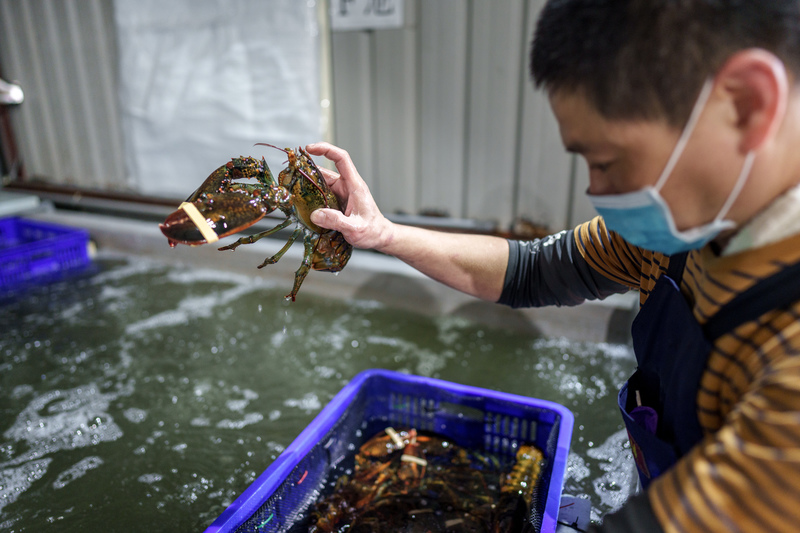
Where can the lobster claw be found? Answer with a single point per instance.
(332, 252)
(223, 213)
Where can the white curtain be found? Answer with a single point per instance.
(201, 81)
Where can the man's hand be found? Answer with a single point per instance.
(362, 223)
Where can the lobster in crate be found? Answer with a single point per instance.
(222, 206)
(409, 481)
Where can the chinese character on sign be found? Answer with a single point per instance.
(380, 8)
(366, 14)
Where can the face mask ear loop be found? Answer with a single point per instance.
(750, 158)
(705, 92)
(746, 167)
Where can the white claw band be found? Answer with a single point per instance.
(406, 458)
(199, 220)
(395, 437)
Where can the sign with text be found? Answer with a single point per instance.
(351, 15)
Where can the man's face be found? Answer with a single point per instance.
(625, 156)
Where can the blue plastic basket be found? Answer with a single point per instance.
(476, 418)
(33, 252)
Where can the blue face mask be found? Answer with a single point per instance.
(644, 219)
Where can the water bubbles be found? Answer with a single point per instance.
(619, 479)
(309, 402)
(249, 418)
(134, 415)
(16, 480)
(57, 420)
(326, 372)
(150, 478)
(76, 471)
(250, 394)
(200, 421)
(237, 405)
(577, 469)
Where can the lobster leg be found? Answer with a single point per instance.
(253, 238)
(275, 258)
(311, 240)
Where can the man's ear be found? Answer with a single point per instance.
(755, 80)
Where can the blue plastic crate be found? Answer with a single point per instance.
(472, 417)
(33, 252)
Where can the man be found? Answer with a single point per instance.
(688, 115)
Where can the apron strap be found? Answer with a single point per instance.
(778, 291)
(675, 267)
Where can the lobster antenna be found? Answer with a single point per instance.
(285, 150)
(306, 176)
(316, 170)
(314, 166)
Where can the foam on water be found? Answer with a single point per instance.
(249, 418)
(63, 420)
(191, 307)
(308, 403)
(14, 481)
(76, 471)
(150, 478)
(616, 483)
(135, 415)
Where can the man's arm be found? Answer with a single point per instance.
(552, 271)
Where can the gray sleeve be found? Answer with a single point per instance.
(551, 271)
(636, 515)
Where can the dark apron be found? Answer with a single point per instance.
(672, 350)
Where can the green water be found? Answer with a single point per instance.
(146, 397)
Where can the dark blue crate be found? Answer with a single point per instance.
(472, 417)
(33, 252)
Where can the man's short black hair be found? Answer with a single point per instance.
(647, 59)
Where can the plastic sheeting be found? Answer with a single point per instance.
(201, 81)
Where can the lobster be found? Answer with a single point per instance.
(223, 206)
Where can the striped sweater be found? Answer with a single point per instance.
(745, 473)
